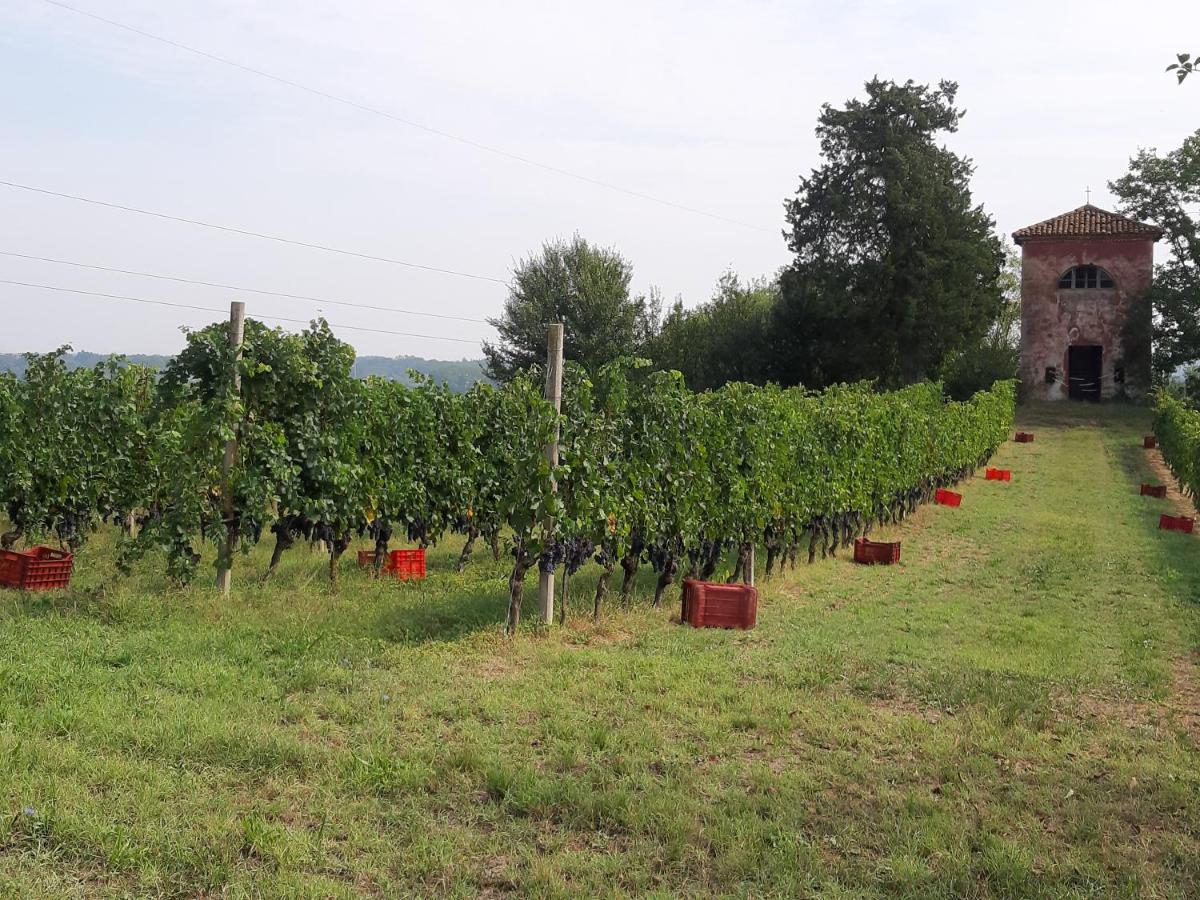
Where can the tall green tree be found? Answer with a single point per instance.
(997, 356)
(587, 289)
(721, 340)
(1165, 189)
(895, 267)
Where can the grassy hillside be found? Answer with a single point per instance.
(1012, 711)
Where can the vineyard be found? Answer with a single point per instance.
(649, 472)
(1010, 711)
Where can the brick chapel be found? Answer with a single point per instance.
(1079, 273)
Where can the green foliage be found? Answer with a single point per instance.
(459, 374)
(1183, 66)
(201, 412)
(722, 340)
(587, 289)
(648, 470)
(997, 356)
(685, 474)
(400, 444)
(1177, 427)
(1165, 189)
(72, 445)
(895, 267)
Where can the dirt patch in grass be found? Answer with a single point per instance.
(906, 706)
(322, 737)
(1184, 702)
(495, 879)
(1131, 714)
(1179, 711)
(488, 668)
(605, 633)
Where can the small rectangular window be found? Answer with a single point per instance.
(1051, 375)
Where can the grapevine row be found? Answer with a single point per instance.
(649, 472)
(1177, 429)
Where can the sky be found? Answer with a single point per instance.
(705, 105)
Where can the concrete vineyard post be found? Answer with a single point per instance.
(554, 367)
(237, 323)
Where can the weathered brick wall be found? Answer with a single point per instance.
(1053, 320)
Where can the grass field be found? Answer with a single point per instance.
(1012, 711)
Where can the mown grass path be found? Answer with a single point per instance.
(1012, 711)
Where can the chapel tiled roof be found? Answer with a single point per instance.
(1088, 221)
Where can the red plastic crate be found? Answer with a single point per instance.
(998, 474)
(1154, 490)
(36, 569)
(1149, 442)
(1176, 523)
(407, 565)
(708, 605)
(366, 559)
(943, 497)
(872, 553)
(1024, 437)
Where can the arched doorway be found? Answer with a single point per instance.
(1084, 366)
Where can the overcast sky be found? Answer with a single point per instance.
(707, 105)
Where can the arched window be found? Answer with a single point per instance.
(1084, 277)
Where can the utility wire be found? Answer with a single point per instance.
(209, 309)
(373, 110)
(255, 234)
(239, 288)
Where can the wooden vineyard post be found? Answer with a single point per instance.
(237, 324)
(554, 366)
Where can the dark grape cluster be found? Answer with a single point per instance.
(554, 553)
(320, 533)
(637, 546)
(379, 531)
(418, 530)
(72, 524)
(571, 552)
(664, 556)
(707, 550)
(576, 552)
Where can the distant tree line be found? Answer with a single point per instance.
(458, 375)
(897, 275)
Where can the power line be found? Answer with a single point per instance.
(362, 107)
(240, 288)
(247, 233)
(209, 309)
